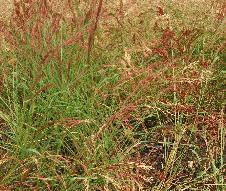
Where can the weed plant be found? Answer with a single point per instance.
(113, 95)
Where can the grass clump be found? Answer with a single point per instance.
(116, 95)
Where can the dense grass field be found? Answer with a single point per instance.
(124, 95)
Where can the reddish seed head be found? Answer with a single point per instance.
(162, 176)
(160, 11)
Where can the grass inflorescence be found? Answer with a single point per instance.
(113, 95)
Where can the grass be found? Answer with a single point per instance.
(109, 96)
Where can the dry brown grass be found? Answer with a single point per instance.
(5, 9)
(146, 113)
